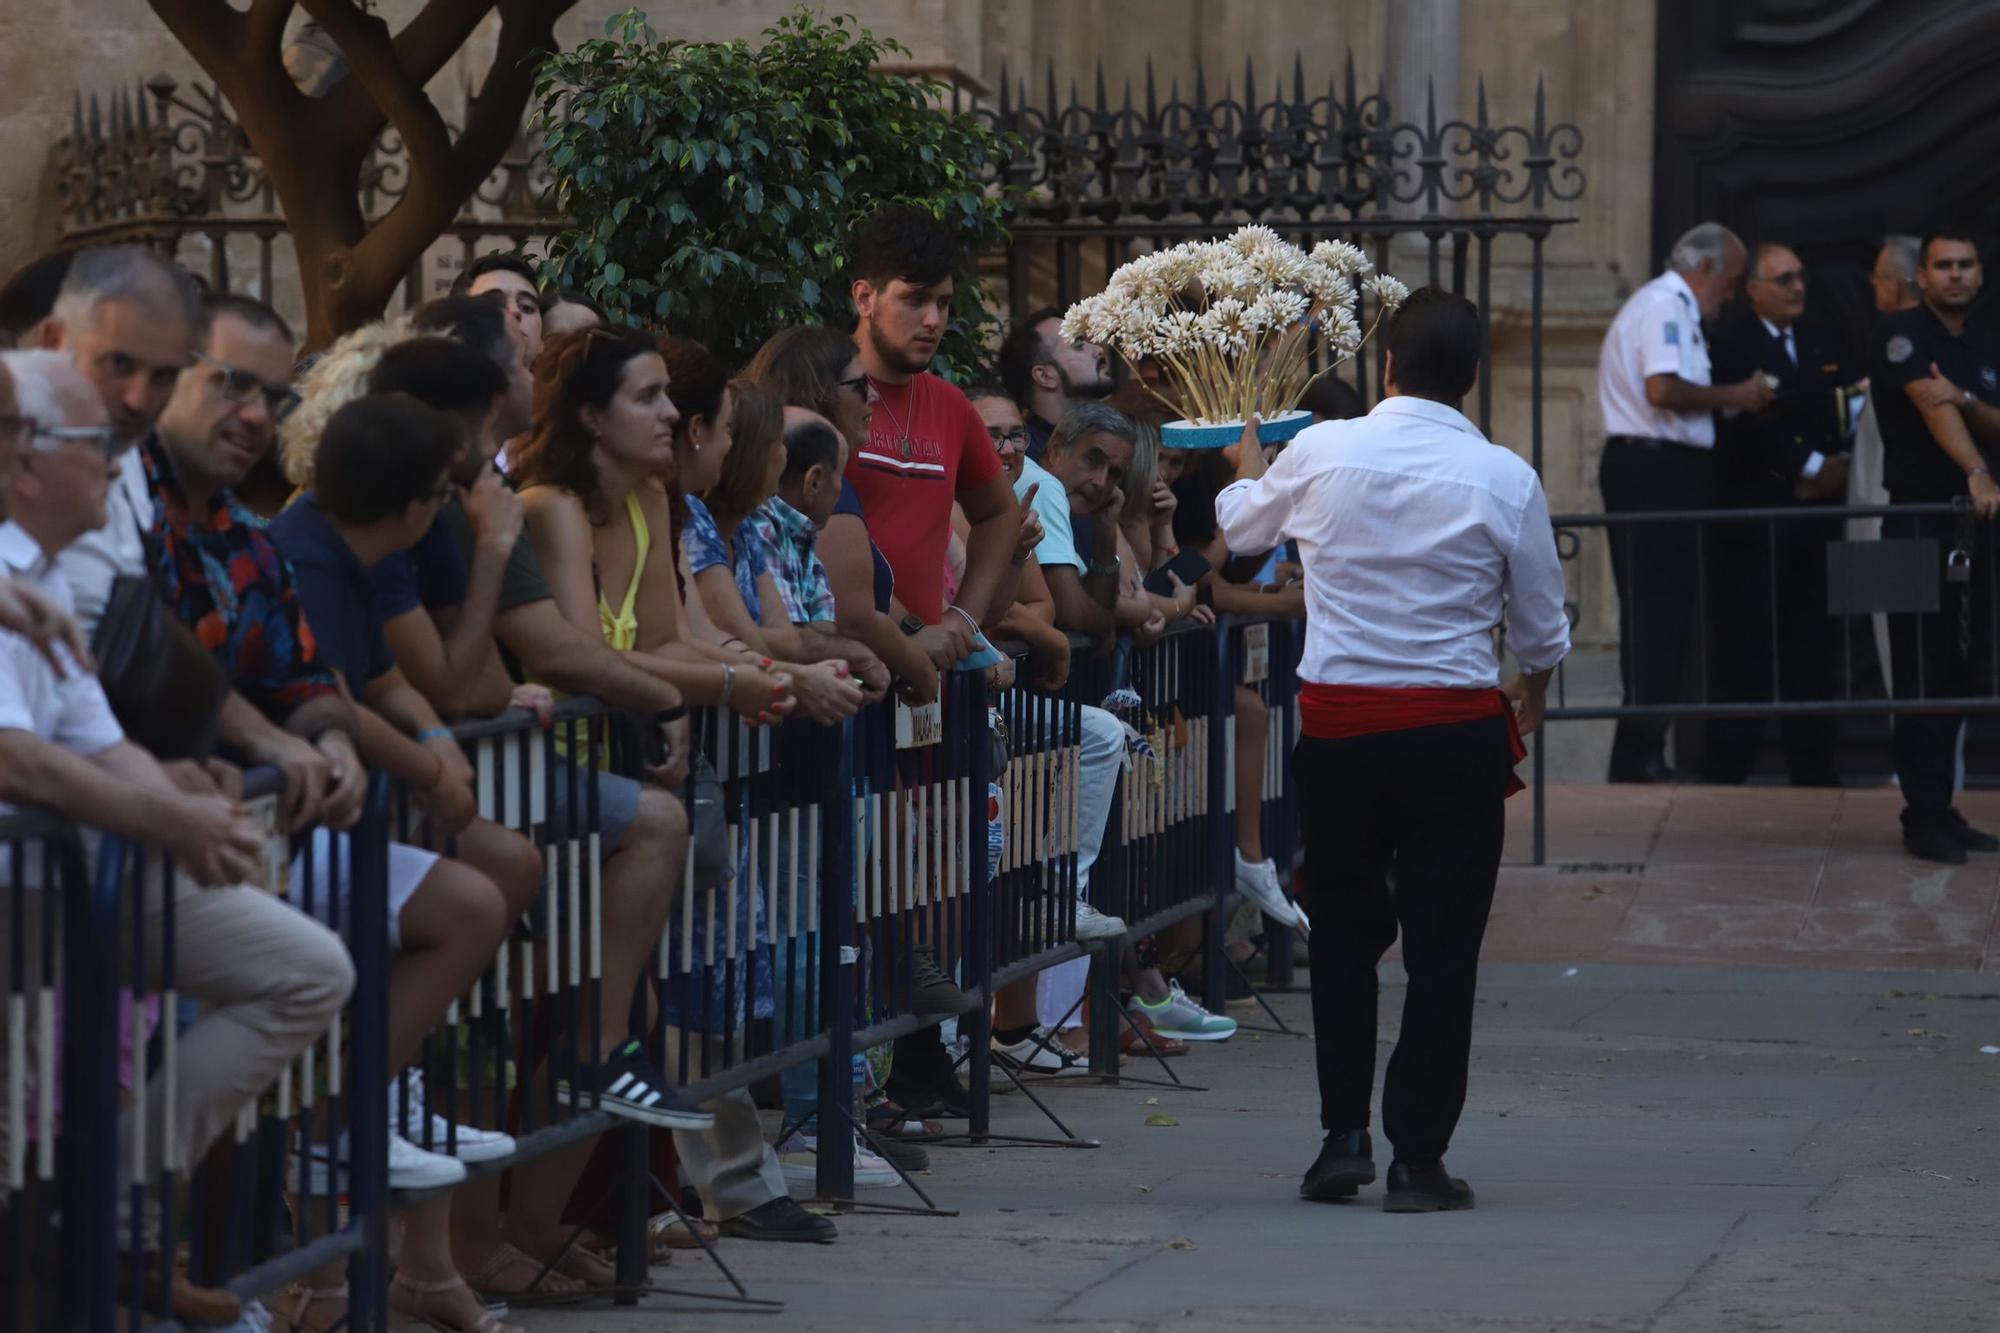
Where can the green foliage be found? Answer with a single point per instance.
(711, 188)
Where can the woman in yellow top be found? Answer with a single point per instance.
(591, 474)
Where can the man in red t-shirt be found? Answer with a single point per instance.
(927, 445)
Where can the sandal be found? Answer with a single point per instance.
(1131, 1043)
(546, 1282)
(410, 1298)
(890, 1121)
(672, 1231)
(307, 1297)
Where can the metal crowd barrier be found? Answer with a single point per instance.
(855, 847)
(1910, 582)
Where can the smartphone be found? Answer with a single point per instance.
(1189, 566)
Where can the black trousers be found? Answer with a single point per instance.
(1929, 661)
(1655, 566)
(1428, 802)
(1770, 638)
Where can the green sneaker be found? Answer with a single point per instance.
(1178, 1016)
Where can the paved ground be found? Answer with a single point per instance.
(1655, 1149)
(1742, 876)
(1724, 1095)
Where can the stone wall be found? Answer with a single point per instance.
(1596, 57)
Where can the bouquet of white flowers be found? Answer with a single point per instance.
(1229, 322)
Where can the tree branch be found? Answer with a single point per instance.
(373, 69)
(424, 46)
(264, 32)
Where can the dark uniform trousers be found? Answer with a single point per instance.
(1428, 801)
(1656, 567)
(1946, 655)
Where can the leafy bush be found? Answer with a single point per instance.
(712, 187)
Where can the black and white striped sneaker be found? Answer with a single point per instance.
(633, 1090)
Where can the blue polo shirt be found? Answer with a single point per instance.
(432, 574)
(337, 592)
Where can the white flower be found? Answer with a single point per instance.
(1277, 309)
(1224, 327)
(1341, 257)
(1179, 332)
(1387, 290)
(1248, 240)
(1342, 330)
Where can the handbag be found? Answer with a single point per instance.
(635, 743)
(166, 690)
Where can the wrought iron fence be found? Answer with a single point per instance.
(1095, 181)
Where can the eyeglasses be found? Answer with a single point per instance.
(241, 386)
(858, 385)
(1017, 436)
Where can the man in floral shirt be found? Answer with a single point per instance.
(217, 567)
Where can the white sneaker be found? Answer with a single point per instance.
(1040, 1053)
(410, 1167)
(1092, 924)
(1178, 1016)
(474, 1145)
(1258, 881)
(799, 1155)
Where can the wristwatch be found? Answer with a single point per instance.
(912, 625)
(1102, 567)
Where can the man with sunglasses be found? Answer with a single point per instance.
(1791, 452)
(223, 575)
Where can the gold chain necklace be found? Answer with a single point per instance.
(882, 400)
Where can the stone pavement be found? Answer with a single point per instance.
(1715, 1086)
(1657, 1149)
(1741, 877)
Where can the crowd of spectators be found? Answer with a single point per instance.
(502, 499)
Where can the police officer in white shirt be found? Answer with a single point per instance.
(1659, 426)
(1419, 538)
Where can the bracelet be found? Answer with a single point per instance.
(674, 714)
(1981, 471)
(1103, 567)
(429, 734)
(728, 682)
(972, 624)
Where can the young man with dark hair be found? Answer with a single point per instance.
(1047, 375)
(514, 278)
(1418, 538)
(484, 324)
(927, 447)
(1937, 396)
(569, 311)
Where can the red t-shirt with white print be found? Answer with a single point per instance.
(927, 447)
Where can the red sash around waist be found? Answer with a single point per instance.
(1340, 712)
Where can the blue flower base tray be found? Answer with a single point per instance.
(1187, 435)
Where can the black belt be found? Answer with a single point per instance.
(1654, 442)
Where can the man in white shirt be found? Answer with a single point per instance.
(1659, 425)
(1419, 539)
(269, 979)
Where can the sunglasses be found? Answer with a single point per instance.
(242, 386)
(859, 386)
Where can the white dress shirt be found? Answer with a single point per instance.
(68, 710)
(1419, 537)
(92, 562)
(1656, 332)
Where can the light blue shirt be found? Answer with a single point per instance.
(1058, 544)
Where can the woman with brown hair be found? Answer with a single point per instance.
(737, 613)
(601, 441)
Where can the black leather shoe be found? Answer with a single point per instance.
(1970, 838)
(1424, 1189)
(781, 1219)
(1346, 1162)
(1652, 770)
(1933, 840)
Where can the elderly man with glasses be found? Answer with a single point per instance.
(1767, 581)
